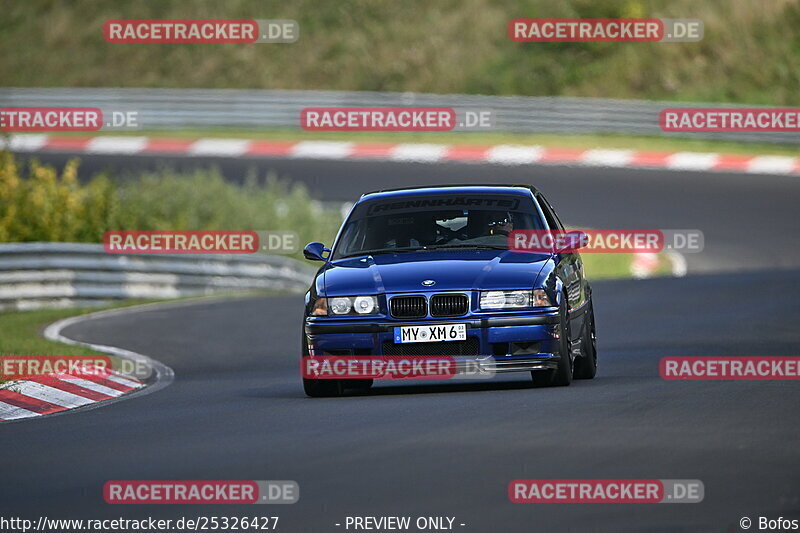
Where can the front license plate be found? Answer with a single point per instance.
(431, 333)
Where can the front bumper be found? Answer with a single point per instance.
(499, 343)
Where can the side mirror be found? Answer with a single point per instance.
(572, 241)
(314, 251)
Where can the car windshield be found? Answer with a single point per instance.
(433, 229)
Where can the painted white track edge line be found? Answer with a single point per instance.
(9, 412)
(164, 375)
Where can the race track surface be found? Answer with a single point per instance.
(236, 409)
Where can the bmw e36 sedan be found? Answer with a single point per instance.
(431, 271)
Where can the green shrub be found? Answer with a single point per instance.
(45, 205)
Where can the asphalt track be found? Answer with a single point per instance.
(236, 409)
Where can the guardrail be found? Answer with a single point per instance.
(51, 274)
(236, 108)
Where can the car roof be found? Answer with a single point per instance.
(523, 190)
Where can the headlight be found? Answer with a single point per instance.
(340, 306)
(514, 299)
(365, 305)
(346, 305)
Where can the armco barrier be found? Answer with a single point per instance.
(237, 108)
(52, 274)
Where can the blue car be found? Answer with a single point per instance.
(408, 263)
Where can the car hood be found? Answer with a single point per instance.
(450, 270)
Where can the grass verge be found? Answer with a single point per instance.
(21, 332)
(749, 50)
(599, 266)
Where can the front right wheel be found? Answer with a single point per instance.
(562, 375)
(322, 388)
(319, 388)
(586, 365)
